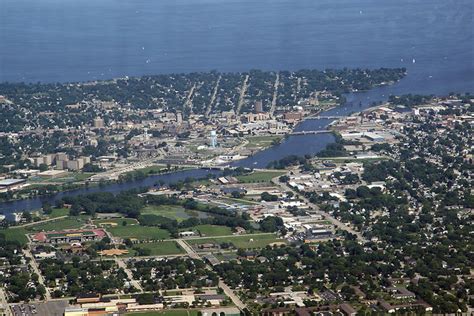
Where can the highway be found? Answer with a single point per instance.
(114, 173)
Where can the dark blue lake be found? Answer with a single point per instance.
(70, 40)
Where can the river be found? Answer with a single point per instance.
(293, 145)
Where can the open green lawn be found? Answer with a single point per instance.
(15, 233)
(242, 201)
(118, 221)
(181, 312)
(139, 232)
(161, 248)
(171, 211)
(213, 230)
(151, 169)
(58, 212)
(73, 222)
(260, 176)
(262, 141)
(246, 242)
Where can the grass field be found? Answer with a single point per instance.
(242, 201)
(260, 176)
(261, 141)
(139, 232)
(213, 230)
(60, 224)
(171, 211)
(151, 169)
(16, 234)
(58, 212)
(181, 312)
(118, 221)
(246, 242)
(159, 248)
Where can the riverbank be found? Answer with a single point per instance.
(292, 145)
(72, 186)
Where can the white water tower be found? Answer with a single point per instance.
(213, 139)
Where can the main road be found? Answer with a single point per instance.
(227, 290)
(129, 273)
(36, 270)
(4, 302)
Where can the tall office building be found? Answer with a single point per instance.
(259, 107)
(98, 122)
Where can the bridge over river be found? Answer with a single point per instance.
(332, 117)
(324, 131)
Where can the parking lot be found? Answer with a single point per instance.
(40, 309)
(24, 310)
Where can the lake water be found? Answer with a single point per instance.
(69, 40)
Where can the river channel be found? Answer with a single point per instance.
(292, 145)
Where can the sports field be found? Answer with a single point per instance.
(176, 212)
(161, 248)
(73, 222)
(139, 232)
(246, 242)
(213, 230)
(260, 176)
(115, 222)
(15, 234)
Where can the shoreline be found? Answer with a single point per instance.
(93, 184)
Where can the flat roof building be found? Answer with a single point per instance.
(10, 184)
(52, 174)
(69, 236)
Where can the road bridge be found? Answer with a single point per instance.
(319, 117)
(310, 132)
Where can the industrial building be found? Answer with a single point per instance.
(11, 184)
